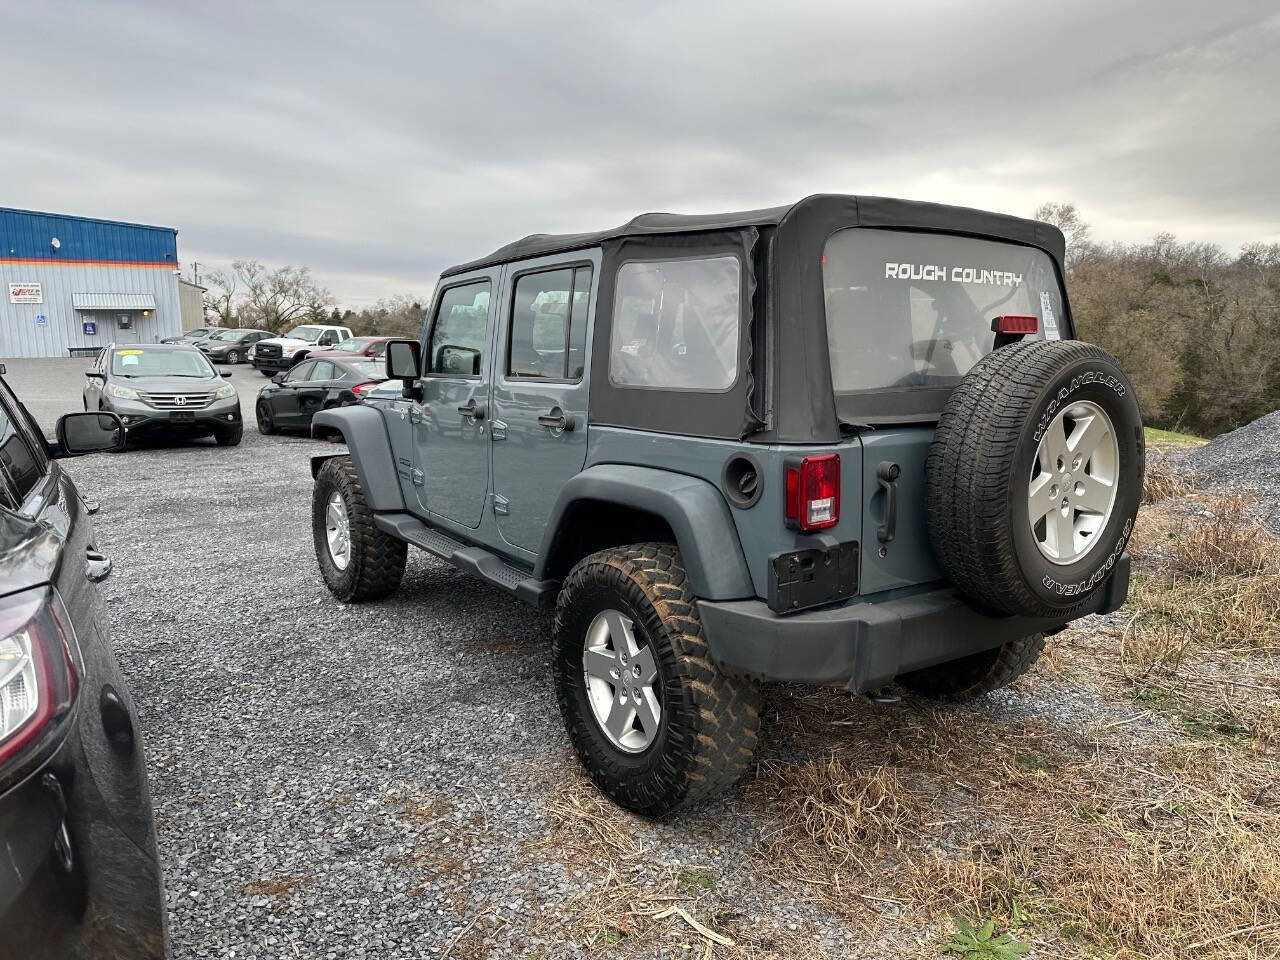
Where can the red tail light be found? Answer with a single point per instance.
(813, 492)
(1017, 324)
(39, 679)
(360, 389)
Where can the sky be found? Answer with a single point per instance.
(378, 143)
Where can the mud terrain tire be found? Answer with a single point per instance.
(376, 561)
(708, 726)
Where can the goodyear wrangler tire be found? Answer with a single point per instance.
(357, 560)
(654, 722)
(1034, 477)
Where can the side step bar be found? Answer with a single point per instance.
(475, 561)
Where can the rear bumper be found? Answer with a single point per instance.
(863, 646)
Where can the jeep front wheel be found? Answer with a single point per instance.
(654, 722)
(357, 560)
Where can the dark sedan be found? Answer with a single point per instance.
(191, 336)
(294, 396)
(164, 390)
(79, 876)
(372, 348)
(230, 345)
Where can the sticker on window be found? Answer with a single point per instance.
(128, 353)
(1050, 321)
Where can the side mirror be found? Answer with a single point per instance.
(325, 342)
(225, 374)
(403, 360)
(80, 433)
(278, 378)
(96, 375)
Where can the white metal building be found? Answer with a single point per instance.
(68, 285)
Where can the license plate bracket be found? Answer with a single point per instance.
(182, 416)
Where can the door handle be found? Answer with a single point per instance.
(472, 409)
(557, 421)
(97, 566)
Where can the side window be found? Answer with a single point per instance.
(548, 324)
(20, 466)
(300, 372)
(323, 370)
(378, 349)
(676, 324)
(457, 337)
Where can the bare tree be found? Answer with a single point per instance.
(1067, 218)
(220, 298)
(279, 299)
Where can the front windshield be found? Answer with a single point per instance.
(911, 310)
(144, 362)
(309, 334)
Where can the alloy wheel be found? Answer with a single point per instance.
(620, 677)
(1073, 482)
(337, 530)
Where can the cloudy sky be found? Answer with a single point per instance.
(378, 143)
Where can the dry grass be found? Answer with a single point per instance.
(279, 886)
(1101, 845)
(1161, 482)
(627, 912)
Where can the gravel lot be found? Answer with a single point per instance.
(375, 780)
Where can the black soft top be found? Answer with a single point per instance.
(817, 210)
(785, 393)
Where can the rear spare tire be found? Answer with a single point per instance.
(1034, 477)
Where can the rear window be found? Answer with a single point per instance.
(676, 323)
(908, 310)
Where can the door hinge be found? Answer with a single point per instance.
(497, 430)
(415, 414)
(501, 505)
(417, 478)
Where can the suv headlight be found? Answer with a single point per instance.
(121, 393)
(224, 391)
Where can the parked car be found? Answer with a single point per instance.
(166, 390)
(292, 398)
(191, 336)
(839, 442)
(80, 876)
(372, 347)
(280, 353)
(230, 345)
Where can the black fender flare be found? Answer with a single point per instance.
(369, 446)
(693, 508)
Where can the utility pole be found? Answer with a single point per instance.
(195, 271)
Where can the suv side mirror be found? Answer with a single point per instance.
(80, 433)
(96, 375)
(403, 360)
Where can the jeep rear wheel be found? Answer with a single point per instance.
(654, 722)
(1035, 473)
(357, 560)
(978, 674)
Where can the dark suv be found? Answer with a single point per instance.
(79, 877)
(847, 441)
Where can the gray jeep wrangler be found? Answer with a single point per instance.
(847, 442)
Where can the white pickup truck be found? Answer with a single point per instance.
(281, 353)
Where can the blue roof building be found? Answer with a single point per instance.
(73, 284)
